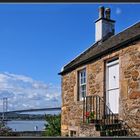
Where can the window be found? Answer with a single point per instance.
(81, 84)
(72, 133)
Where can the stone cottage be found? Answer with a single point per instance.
(101, 87)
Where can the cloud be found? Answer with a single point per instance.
(118, 11)
(24, 92)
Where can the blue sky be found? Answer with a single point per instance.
(36, 40)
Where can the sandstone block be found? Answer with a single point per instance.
(135, 95)
(124, 90)
(133, 85)
(64, 127)
(135, 74)
(130, 66)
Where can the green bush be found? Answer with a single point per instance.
(53, 125)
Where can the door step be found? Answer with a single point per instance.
(114, 133)
(108, 127)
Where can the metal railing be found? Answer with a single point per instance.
(96, 111)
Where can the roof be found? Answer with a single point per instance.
(101, 48)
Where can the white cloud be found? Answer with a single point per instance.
(118, 11)
(24, 92)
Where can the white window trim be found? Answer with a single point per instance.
(83, 84)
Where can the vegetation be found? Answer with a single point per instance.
(53, 126)
(4, 130)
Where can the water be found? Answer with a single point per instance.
(29, 125)
(26, 125)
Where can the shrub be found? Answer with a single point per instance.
(53, 126)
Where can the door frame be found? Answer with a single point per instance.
(116, 58)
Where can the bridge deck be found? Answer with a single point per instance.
(36, 109)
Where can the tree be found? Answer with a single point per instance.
(53, 126)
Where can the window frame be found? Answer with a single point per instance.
(72, 133)
(82, 83)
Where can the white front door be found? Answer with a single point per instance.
(112, 86)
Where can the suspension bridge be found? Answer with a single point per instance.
(35, 110)
(5, 111)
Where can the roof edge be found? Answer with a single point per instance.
(101, 54)
(125, 29)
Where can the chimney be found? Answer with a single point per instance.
(101, 12)
(104, 26)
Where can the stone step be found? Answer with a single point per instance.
(114, 133)
(110, 121)
(108, 127)
(104, 121)
(111, 115)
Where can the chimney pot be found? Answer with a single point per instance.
(107, 13)
(101, 12)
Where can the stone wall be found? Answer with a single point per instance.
(88, 131)
(71, 110)
(129, 107)
(130, 89)
(95, 77)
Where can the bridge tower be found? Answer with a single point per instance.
(5, 107)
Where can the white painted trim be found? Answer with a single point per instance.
(109, 64)
(76, 85)
(82, 84)
(112, 63)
